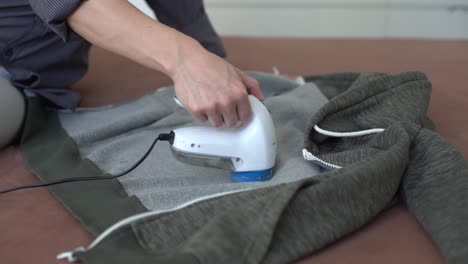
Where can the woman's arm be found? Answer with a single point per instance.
(209, 87)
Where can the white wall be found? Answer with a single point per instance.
(340, 18)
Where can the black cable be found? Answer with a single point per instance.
(161, 137)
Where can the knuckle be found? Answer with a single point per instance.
(226, 102)
(195, 109)
(209, 107)
(255, 83)
(252, 81)
(241, 94)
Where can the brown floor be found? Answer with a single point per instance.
(35, 227)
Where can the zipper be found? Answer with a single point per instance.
(71, 256)
(311, 157)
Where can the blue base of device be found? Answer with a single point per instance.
(252, 176)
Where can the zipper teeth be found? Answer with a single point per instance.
(311, 157)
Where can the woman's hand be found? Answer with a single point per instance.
(210, 88)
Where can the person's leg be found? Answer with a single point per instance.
(12, 111)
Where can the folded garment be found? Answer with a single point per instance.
(166, 211)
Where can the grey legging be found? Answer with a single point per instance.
(12, 110)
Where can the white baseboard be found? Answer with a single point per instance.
(436, 19)
(341, 18)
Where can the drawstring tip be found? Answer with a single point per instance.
(70, 256)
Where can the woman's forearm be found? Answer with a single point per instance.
(118, 26)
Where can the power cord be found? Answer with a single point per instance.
(161, 137)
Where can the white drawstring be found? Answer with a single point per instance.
(348, 134)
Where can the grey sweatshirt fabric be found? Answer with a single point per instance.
(434, 184)
(114, 138)
(283, 222)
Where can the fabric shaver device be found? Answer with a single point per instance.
(248, 150)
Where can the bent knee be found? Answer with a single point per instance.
(12, 111)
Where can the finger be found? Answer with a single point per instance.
(198, 113)
(216, 119)
(230, 116)
(244, 110)
(200, 117)
(252, 85)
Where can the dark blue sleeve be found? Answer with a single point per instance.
(54, 13)
(190, 18)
